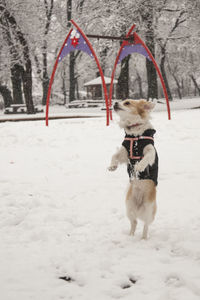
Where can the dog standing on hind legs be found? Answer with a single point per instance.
(139, 153)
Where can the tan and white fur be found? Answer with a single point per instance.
(141, 196)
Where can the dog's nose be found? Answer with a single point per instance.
(116, 106)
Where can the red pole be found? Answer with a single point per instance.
(52, 78)
(114, 69)
(100, 70)
(159, 73)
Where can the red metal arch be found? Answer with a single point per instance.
(154, 62)
(98, 65)
(52, 78)
(159, 73)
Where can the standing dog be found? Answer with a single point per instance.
(138, 152)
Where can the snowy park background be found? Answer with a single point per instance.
(64, 233)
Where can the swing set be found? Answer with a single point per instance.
(77, 40)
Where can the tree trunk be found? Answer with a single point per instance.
(45, 77)
(27, 87)
(183, 89)
(27, 72)
(77, 88)
(16, 78)
(152, 81)
(27, 80)
(195, 83)
(72, 80)
(139, 81)
(64, 90)
(147, 16)
(162, 68)
(123, 80)
(6, 94)
(15, 70)
(178, 86)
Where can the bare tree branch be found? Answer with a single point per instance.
(176, 24)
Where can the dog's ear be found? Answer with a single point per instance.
(147, 105)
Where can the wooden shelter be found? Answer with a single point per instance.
(95, 89)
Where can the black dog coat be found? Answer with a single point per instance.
(135, 146)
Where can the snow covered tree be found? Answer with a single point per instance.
(193, 43)
(172, 25)
(147, 12)
(45, 77)
(15, 64)
(10, 25)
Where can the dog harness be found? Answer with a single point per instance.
(135, 146)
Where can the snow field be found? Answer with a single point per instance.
(63, 214)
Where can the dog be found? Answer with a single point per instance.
(140, 155)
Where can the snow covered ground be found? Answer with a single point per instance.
(62, 214)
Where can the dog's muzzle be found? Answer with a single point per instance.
(117, 107)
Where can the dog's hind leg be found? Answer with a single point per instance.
(133, 226)
(145, 231)
(149, 206)
(148, 220)
(130, 209)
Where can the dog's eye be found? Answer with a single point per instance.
(127, 103)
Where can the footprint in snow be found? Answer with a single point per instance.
(123, 286)
(174, 280)
(66, 278)
(129, 284)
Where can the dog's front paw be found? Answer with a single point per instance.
(112, 168)
(140, 167)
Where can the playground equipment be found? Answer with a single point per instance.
(77, 40)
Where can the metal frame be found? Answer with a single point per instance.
(108, 37)
(132, 37)
(98, 65)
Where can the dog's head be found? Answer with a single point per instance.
(134, 115)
